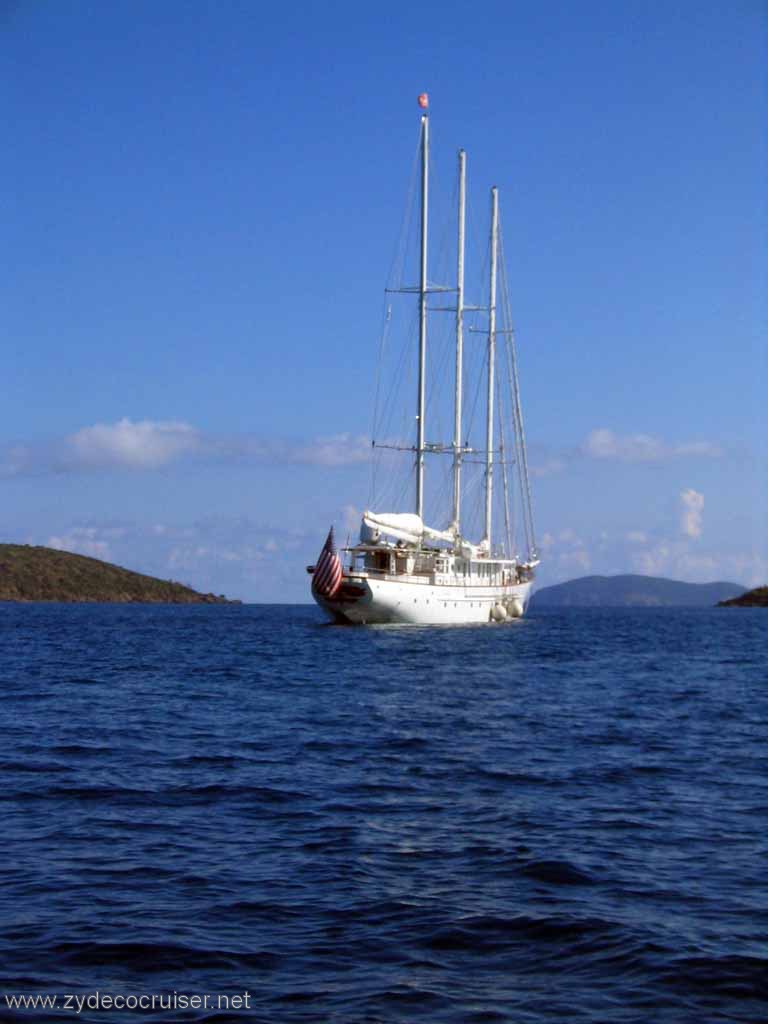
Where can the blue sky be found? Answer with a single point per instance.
(201, 203)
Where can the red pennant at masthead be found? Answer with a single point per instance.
(423, 100)
(326, 578)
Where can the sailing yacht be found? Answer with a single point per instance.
(402, 571)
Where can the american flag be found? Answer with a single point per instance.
(326, 578)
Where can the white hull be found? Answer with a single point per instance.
(366, 601)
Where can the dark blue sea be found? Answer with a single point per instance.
(231, 814)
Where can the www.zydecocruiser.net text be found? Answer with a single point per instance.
(74, 1002)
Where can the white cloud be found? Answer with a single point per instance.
(697, 565)
(566, 550)
(151, 444)
(706, 449)
(351, 517)
(605, 444)
(339, 450)
(578, 557)
(146, 444)
(82, 540)
(691, 513)
(547, 467)
(654, 561)
(751, 567)
(674, 560)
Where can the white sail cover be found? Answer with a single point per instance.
(406, 526)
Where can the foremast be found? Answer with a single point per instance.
(422, 316)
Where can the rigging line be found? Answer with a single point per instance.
(475, 245)
(470, 420)
(377, 390)
(397, 265)
(394, 276)
(519, 445)
(399, 375)
(504, 477)
(399, 496)
(437, 385)
(443, 231)
(444, 489)
(475, 499)
(393, 424)
(514, 380)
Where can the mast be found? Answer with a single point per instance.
(459, 344)
(422, 317)
(491, 361)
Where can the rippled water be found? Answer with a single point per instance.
(561, 819)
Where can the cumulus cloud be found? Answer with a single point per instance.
(351, 516)
(146, 444)
(691, 512)
(339, 450)
(152, 444)
(83, 540)
(546, 541)
(234, 556)
(654, 561)
(605, 444)
(674, 559)
(547, 466)
(565, 552)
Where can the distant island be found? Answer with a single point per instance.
(634, 592)
(45, 574)
(757, 598)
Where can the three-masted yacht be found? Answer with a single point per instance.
(402, 571)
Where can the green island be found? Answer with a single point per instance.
(30, 573)
(757, 598)
(633, 591)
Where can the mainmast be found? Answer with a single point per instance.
(491, 362)
(422, 311)
(457, 452)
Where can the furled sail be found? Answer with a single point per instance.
(405, 526)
